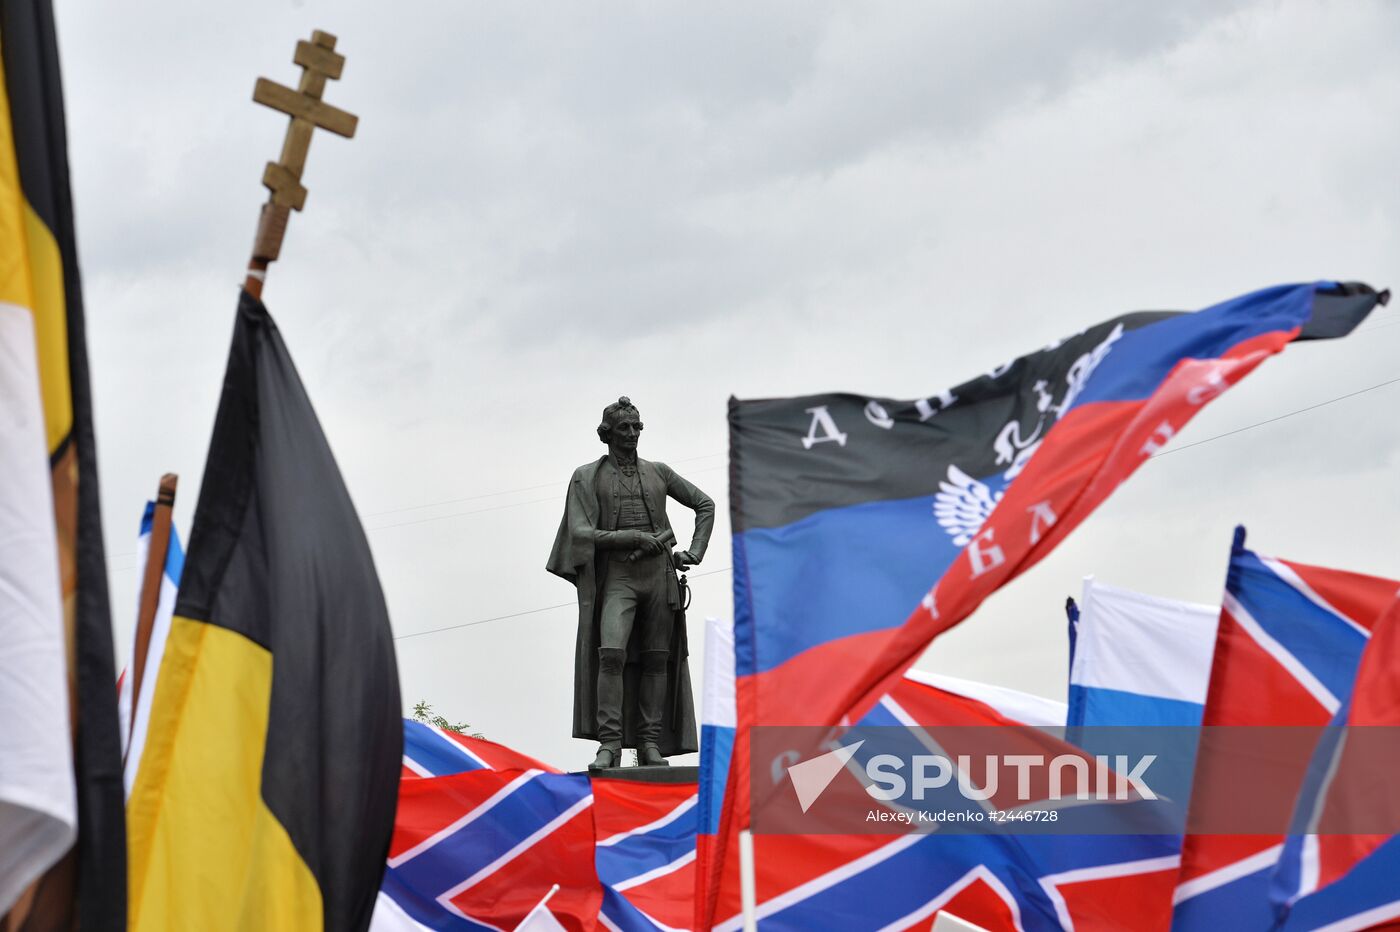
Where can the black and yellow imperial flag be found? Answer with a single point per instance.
(265, 797)
(41, 316)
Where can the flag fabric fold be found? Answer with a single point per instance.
(266, 794)
(47, 411)
(865, 526)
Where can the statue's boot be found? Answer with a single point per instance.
(606, 760)
(611, 661)
(651, 706)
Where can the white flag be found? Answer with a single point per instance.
(38, 804)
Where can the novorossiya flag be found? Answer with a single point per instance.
(483, 833)
(864, 526)
(1343, 874)
(265, 797)
(1290, 639)
(42, 345)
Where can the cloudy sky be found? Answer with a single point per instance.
(551, 204)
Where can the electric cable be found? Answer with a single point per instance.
(528, 611)
(536, 501)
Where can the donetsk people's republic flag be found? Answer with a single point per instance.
(864, 526)
(53, 581)
(265, 797)
(850, 512)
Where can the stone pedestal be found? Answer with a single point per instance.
(648, 774)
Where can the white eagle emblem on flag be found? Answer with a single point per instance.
(962, 505)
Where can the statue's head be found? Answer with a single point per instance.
(621, 424)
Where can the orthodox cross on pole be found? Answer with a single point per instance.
(319, 63)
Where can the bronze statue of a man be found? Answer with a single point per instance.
(631, 680)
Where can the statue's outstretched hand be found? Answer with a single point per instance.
(684, 559)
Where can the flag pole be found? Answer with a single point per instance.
(151, 577)
(319, 63)
(748, 894)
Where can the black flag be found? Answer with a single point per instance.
(266, 795)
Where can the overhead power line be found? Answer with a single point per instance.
(1272, 420)
(528, 611)
(1228, 433)
(552, 485)
(527, 488)
(477, 511)
(468, 498)
(1374, 327)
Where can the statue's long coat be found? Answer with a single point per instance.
(591, 505)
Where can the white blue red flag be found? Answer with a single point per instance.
(1288, 646)
(1139, 659)
(718, 719)
(865, 526)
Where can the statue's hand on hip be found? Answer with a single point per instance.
(684, 559)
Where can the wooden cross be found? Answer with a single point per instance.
(319, 63)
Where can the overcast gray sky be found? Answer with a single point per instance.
(551, 204)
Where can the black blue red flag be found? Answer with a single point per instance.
(864, 527)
